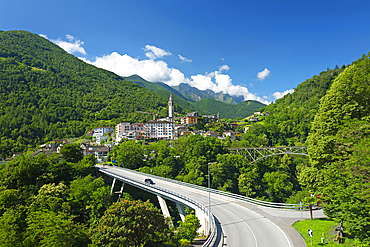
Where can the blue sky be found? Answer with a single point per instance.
(259, 49)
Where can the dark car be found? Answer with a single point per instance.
(149, 181)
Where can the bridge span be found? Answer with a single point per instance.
(243, 221)
(254, 154)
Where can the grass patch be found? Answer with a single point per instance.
(320, 226)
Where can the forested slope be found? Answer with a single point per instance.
(289, 121)
(339, 150)
(46, 93)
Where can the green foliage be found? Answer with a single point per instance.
(273, 179)
(339, 149)
(72, 152)
(12, 225)
(225, 172)
(85, 167)
(130, 223)
(129, 153)
(188, 228)
(320, 226)
(89, 198)
(41, 204)
(50, 197)
(48, 228)
(290, 117)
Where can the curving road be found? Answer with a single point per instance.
(243, 223)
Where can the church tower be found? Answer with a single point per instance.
(171, 109)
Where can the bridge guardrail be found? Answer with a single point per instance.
(223, 193)
(195, 203)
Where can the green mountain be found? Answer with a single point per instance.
(154, 86)
(46, 93)
(289, 119)
(244, 109)
(197, 95)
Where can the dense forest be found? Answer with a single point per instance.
(186, 159)
(53, 200)
(46, 93)
(339, 150)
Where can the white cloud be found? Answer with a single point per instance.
(150, 70)
(278, 95)
(263, 74)
(184, 59)
(155, 52)
(158, 71)
(219, 82)
(43, 35)
(71, 46)
(223, 68)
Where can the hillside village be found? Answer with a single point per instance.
(103, 139)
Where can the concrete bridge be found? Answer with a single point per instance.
(234, 220)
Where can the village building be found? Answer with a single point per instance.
(190, 118)
(160, 129)
(100, 134)
(100, 152)
(135, 131)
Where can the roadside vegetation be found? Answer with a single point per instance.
(323, 228)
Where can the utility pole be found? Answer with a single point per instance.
(209, 200)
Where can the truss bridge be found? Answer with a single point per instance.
(256, 154)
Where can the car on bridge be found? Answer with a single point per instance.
(149, 181)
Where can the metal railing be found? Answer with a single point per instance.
(189, 200)
(224, 193)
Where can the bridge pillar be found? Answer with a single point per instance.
(203, 218)
(120, 192)
(181, 210)
(165, 211)
(113, 183)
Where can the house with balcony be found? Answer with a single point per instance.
(160, 129)
(100, 134)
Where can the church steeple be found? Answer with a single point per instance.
(171, 109)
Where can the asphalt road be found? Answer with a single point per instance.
(243, 224)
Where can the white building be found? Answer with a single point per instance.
(129, 131)
(160, 129)
(100, 133)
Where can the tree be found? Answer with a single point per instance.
(84, 167)
(50, 197)
(47, 228)
(12, 225)
(310, 200)
(130, 153)
(72, 152)
(279, 186)
(130, 223)
(188, 229)
(339, 149)
(89, 198)
(225, 172)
